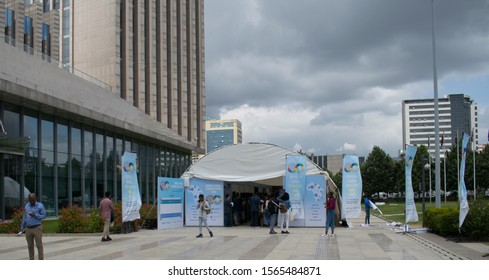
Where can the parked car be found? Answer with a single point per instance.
(380, 195)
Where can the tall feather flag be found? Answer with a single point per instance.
(411, 212)
(462, 190)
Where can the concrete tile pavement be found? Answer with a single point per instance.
(377, 242)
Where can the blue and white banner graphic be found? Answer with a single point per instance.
(170, 202)
(462, 190)
(213, 192)
(295, 183)
(411, 212)
(352, 187)
(314, 199)
(131, 198)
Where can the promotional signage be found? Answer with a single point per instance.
(131, 198)
(352, 187)
(295, 183)
(213, 192)
(170, 202)
(462, 190)
(411, 212)
(314, 199)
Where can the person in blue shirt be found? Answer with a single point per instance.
(366, 201)
(34, 213)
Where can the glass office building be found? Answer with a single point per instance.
(221, 133)
(71, 163)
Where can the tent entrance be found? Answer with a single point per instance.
(240, 193)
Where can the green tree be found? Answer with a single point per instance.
(420, 160)
(482, 170)
(378, 172)
(399, 175)
(338, 180)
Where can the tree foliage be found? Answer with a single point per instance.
(378, 172)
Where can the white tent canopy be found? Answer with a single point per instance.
(253, 162)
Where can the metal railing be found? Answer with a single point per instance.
(7, 40)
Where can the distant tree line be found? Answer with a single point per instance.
(382, 173)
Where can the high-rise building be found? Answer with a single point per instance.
(333, 163)
(222, 133)
(457, 115)
(87, 81)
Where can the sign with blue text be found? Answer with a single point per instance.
(213, 192)
(295, 183)
(411, 212)
(131, 198)
(352, 187)
(170, 202)
(314, 199)
(462, 190)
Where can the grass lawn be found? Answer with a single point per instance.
(394, 211)
(50, 226)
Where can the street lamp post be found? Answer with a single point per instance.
(423, 187)
(437, 124)
(445, 175)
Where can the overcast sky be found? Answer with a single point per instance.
(330, 75)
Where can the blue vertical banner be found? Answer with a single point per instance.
(462, 190)
(170, 202)
(314, 199)
(295, 184)
(411, 212)
(131, 198)
(213, 192)
(352, 187)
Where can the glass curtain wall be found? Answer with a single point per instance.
(68, 163)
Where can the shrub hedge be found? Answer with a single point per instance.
(444, 221)
(75, 220)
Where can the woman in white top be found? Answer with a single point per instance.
(204, 209)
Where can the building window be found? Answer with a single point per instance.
(46, 40)
(28, 34)
(46, 6)
(10, 26)
(56, 4)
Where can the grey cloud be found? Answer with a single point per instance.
(327, 54)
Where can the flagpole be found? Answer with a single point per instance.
(473, 156)
(458, 160)
(437, 123)
(442, 145)
(429, 158)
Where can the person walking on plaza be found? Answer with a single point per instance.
(330, 206)
(284, 214)
(204, 210)
(254, 209)
(366, 201)
(228, 211)
(34, 213)
(272, 207)
(106, 207)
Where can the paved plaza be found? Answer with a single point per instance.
(377, 242)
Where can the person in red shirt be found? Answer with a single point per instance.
(330, 206)
(106, 208)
